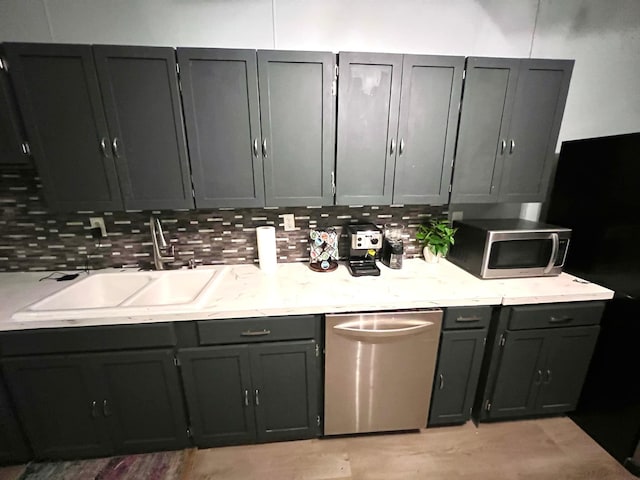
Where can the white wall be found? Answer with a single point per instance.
(603, 37)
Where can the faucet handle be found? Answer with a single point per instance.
(192, 263)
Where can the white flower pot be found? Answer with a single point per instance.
(429, 256)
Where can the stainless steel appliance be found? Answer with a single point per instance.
(365, 239)
(379, 370)
(506, 248)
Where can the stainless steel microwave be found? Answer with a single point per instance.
(507, 248)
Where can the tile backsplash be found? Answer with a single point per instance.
(32, 238)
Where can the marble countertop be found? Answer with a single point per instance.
(246, 291)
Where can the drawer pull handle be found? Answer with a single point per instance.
(560, 319)
(473, 318)
(246, 398)
(94, 411)
(441, 382)
(257, 395)
(251, 333)
(548, 377)
(538, 379)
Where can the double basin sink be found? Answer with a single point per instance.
(126, 293)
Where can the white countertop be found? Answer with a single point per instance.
(246, 291)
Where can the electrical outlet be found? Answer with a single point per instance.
(98, 222)
(289, 222)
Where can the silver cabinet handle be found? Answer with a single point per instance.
(115, 145)
(538, 379)
(246, 398)
(103, 147)
(392, 148)
(257, 396)
(548, 377)
(253, 333)
(255, 147)
(503, 146)
(264, 148)
(441, 382)
(512, 146)
(560, 319)
(94, 412)
(105, 409)
(473, 318)
(401, 149)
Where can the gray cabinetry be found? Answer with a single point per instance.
(141, 99)
(260, 391)
(539, 360)
(509, 126)
(12, 137)
(13, 446)
(260, 126)
(459, 361)
(103, 139)
(59, 97)
(75, 405)
(397, 120)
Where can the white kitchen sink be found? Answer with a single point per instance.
(124, 293)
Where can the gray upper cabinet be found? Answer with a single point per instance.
(369, 97)
(542, 91)
(11, 130)
(297, 117)
(397, 121)
(260, 126)
(429, 102)
(509, 125)
(139, 88)
(59, 97)
(222, 117)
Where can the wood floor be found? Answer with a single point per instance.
(532, 449)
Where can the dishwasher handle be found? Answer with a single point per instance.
(414, 327)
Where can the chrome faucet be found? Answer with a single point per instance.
(168, 251)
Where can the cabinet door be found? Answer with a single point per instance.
(285, 383)
(55, 399)
(222, 117)
(142, 400)
(429, 102)
(58, 95)
(297, 117)
(13, 447)
(217, 385)
(489, 93)
(457, 375)
(533, 131)
(368, 101)
(142, 103)
(519, 374)
(11, 131)
(570, 351)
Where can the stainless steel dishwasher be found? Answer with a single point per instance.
(379, 370)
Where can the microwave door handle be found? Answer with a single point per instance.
(554, 252)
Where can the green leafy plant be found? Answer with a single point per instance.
(437, 235)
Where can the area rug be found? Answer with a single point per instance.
(149, 466)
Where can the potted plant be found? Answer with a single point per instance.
(436, 238)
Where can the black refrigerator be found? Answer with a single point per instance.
(596, 193)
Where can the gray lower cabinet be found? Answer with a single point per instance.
(509, 125)
(13, 445)
(397, 121)
(260, 126)
(540, 368)
(247, 393)
(104, 125)
(459, 360)
(12, 137)
(94, 404)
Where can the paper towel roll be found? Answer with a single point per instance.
(267, 248)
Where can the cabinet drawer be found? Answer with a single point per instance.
(249, 330)
(555, 315)
(466, 317)
(87, 339)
